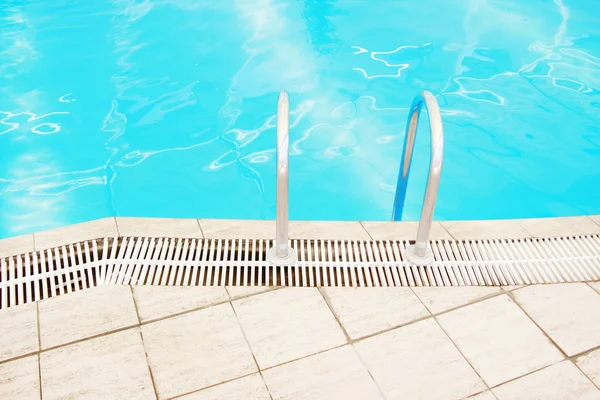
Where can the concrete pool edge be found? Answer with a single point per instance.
(333, 230)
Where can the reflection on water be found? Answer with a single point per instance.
(167, 107)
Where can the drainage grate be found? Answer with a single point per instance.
(204, 262)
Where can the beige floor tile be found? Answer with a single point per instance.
(249, 387)
(334, 374)
(107, 367)
(595, 218)
(100, 228)
(155, 302)
(418, 361)
(595, 285)
(487, 395)
(20, 379)
(86, 313)
(236, 292)
(328, 230)
(287, 324)
(564, 226)
(364, 311)
(18, 331)
(498, 339)
(16, 245)
(159, 227)
(443, 299)
(558, 382)
(404, 230)
(569, 314)
(590, 365)
(494, 229)
(237, 229)
(192, 351)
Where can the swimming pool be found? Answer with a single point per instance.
(167, 108)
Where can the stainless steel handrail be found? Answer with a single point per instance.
(282, 253)
(420, 253)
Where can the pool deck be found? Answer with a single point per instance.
(144, 342)
(164, 342)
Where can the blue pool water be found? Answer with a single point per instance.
(166, 108)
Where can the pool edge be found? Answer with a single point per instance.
(334, 230)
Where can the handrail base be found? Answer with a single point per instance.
(413, 258)
(290, 259)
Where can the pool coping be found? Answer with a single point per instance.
(315, 230)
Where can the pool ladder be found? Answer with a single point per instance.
(282, 253)
(419, 253)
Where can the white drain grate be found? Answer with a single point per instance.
(202, 262)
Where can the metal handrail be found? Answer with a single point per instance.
(420, 253)
(282, 253)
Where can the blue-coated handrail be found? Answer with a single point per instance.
(420, 253)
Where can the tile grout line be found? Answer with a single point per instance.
(543, 368)
(445, 229)
(452, 235)
(117, 226)
(39, 360)
(20, 357)
(492, 393)
(462, 355)
(204, 307)
(200, 226)
(472, 396)
(39, 356)
(584, 374)
(365, 229)
(595, 222)
(211, 386)
(420, 300)
(268, 289)
(180, 313)
(237, 318)
(583, 354)
(514, 300)
(349, 339)
(593, 288)
(332, 311)
(362, 362)
(449, 310)
(434, 316)
(137, 313)
(531, 236)
(76, 341)
(527, 374)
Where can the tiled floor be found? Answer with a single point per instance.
(117, 342)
